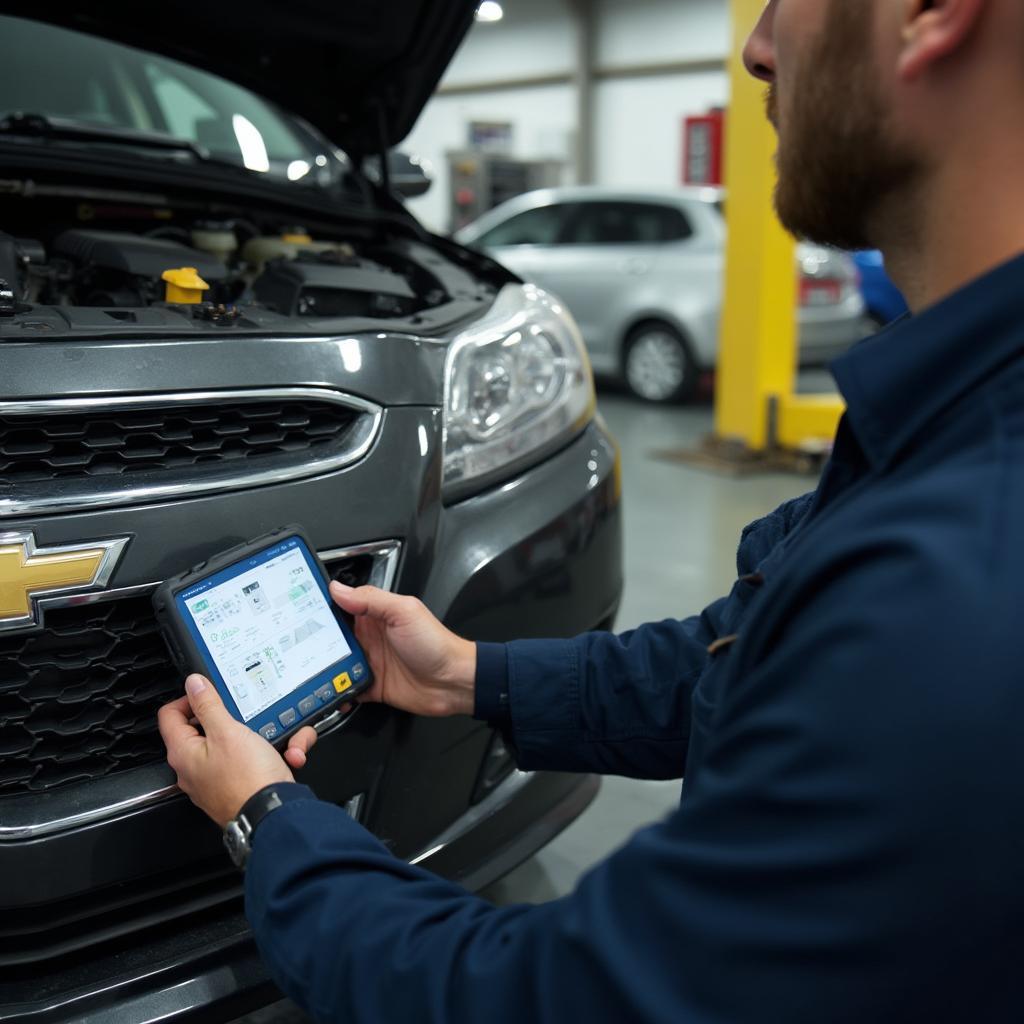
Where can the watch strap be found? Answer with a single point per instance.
(239, 830)
(269, 798)
(258, 806)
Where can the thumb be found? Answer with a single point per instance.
(206, 703)
(370, 601)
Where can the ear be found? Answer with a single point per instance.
(935, 29)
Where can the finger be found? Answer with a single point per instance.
(172, 720)
(295, 758)
(206, 704)
(371, 601)
(303, 740)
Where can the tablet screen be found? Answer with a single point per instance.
(267, 625)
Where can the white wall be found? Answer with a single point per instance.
(534, 38)
(639, 134)
(652, 31)
(638, 121)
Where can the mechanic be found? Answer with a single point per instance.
(849, 720)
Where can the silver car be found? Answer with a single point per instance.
(643, 271)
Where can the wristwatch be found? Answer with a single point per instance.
(239, 830)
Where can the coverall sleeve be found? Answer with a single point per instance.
(616, 704)
(798, 882)
(601, 702)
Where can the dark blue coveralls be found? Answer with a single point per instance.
(850, 725)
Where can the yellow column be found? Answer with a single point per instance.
(758, 343)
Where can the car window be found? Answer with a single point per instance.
(59, 73)
(623, 223)
(195, 106)
(540, 226)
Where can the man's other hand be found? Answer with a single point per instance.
(418, 664)
(225, 764)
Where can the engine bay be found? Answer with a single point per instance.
(219, 272)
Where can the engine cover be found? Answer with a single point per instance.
(134, 255)
(324, 287)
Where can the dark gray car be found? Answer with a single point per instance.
(213, 323)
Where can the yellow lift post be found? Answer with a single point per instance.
(756, 408)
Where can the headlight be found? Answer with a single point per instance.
(517, 385)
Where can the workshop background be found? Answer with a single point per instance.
(599, 89)
(640, 98)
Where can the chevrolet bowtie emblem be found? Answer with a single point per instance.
(28, 573)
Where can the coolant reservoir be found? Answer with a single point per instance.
(216, 239)
(258, 251)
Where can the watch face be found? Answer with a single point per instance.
(236, 843)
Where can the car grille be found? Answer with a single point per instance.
(85, 453)
(79, 697)
(62, 447)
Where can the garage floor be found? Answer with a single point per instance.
(682, 526)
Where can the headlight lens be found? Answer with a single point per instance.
(517, 384)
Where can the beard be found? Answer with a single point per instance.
(840, 170)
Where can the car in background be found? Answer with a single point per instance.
(216, 319)
(642, 272)
(883, 299)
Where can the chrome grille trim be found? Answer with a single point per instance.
(107, 492)
(26, 816)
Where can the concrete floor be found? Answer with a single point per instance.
(682, 526)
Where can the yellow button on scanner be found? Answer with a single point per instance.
(184, 285)
(341, 682)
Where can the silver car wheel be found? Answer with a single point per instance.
(657, 365)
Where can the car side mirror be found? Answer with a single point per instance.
(410, 176)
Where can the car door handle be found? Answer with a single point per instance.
(335, 720)
(635, 265)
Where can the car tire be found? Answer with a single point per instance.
(657, 365)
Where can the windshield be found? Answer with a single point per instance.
(63, 74)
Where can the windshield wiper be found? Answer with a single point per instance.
(42, 127)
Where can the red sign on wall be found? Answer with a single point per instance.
(703, 149)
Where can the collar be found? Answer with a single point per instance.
(901, 379)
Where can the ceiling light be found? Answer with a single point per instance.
(489, 10)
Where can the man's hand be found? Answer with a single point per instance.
(418, 665)
(225, 765)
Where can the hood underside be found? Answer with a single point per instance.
(360, 71)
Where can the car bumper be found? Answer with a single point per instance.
(216, 973)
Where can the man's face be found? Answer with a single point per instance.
(839, 159)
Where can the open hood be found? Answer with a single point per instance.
(359, 70)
